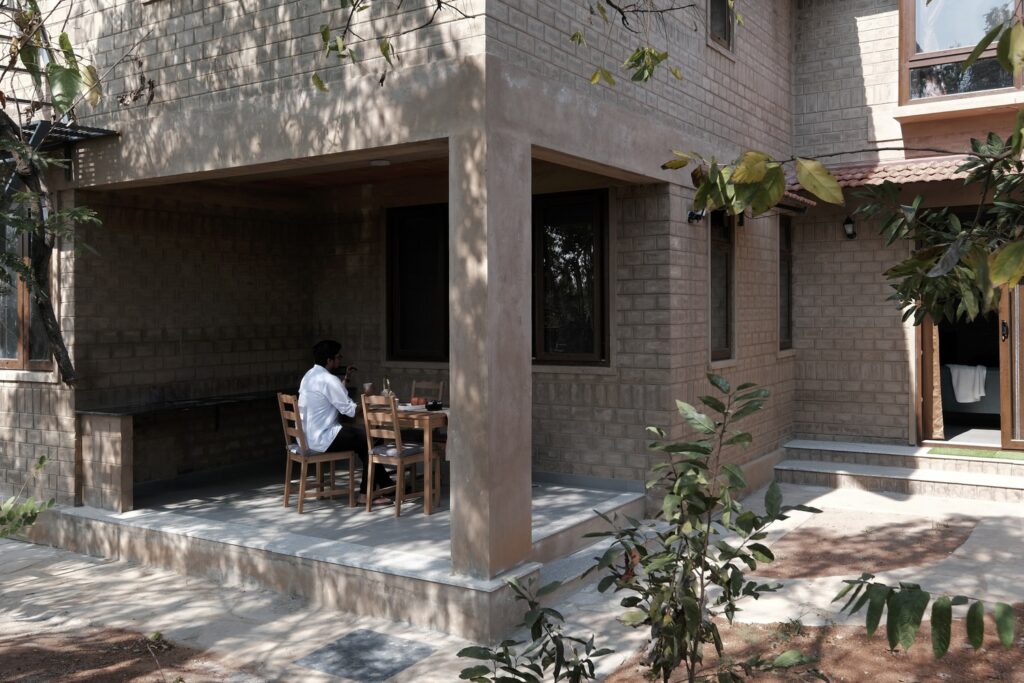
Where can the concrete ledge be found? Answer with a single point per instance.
(476, 610)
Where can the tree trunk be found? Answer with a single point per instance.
(41, 250)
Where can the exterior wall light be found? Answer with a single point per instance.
(695, 216)
(849, 228)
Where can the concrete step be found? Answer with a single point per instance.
(558, 540)
(907, 480)
(912, 457)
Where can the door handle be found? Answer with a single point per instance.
(1004, 331)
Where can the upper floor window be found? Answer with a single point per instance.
(23, 343)
(785, 283)
(938, 36)
(721, 21)
(570, 278)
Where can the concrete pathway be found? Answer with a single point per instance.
(273, 637)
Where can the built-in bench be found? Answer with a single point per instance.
(122, 447)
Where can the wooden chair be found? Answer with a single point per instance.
(384, 442)
(297, 451)
(427, 389)
(431, 391)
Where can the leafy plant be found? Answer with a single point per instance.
(549, 650)
(905, 606)
(15, 516)
(686, 568)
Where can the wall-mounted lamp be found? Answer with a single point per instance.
(849, 228)
(695, 216)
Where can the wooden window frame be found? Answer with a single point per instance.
(598, 207)
(786, 256)
(909, 59)
(392, 316)
(726, 352)
(24, 306)
(724, 42)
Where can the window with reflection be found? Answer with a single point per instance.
(570, 236)
(721, 20)
(23, 343)
(938, 36)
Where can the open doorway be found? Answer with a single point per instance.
(969, 381)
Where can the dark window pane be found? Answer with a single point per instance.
(949, 24)
(720, 22)
(569, 298)
(721, 286)
(948, 79)
(785, 284)
(418, 283)
(9, 303)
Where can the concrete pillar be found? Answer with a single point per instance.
(490, 438)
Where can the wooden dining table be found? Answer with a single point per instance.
(418, 417)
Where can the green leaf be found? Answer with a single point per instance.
(748, 408)
(386, 50)
(878, 595)
(719, 382)
(29, 54)
(1003, 615)
(816, 179)
(742, 438)
(702, 423)
(676, 72)
(1016, 48)
(325, 34)
(735, 474)
(751, 168)
(318, 82)
(634, 617)
(65, 86)
(942, 623)
(773, 500)
(595, 77)
(549, 588)
(982, 46)
(976, 624)
(475, 652)
(577, 38)
(1007, 264)
(769, 192)
(761, 552)
(1003, 51)
(68, 50)
(791, 658)
(713, 403)
(906, 609)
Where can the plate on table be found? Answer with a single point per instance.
(408, 407)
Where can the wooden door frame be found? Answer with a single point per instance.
(929, 422)
(1011, 332)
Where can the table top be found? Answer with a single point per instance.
(418, 414)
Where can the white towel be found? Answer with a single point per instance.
(968, 382)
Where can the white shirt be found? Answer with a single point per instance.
(321, 397)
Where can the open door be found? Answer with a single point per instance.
(1011, 362)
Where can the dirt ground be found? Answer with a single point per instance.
(837, 543)
(102, 655)
(846, 654)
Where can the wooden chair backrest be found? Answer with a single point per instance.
(428, 389)
(380, 415)
(291, 421)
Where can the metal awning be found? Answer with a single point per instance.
(60, 135)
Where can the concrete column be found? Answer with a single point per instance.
(490, 440)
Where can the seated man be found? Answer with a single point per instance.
(323, 397)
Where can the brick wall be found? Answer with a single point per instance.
(853, 356)
(846, 76)
(185, 300)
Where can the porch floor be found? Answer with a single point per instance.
(251, 514)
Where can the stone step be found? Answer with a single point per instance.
(570, 535)
(906, 480)
(885, 455)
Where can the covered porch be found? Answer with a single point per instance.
(204, 298)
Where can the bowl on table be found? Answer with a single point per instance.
(433, 405)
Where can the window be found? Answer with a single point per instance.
(570, 291)
(937, 36)
(23, 344)
(721, 285)
(417, 297)
(785, 283)
(721, 20)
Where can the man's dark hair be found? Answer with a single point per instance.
(324, 350)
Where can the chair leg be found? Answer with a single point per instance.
(303, 473)
(399, 489)
(287, 479)
(351, 479)
(330, 468)
(369, 484)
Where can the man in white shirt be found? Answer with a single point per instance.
(323, 396)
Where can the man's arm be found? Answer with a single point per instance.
(337, 394)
